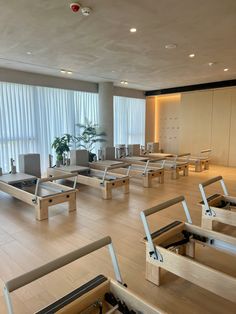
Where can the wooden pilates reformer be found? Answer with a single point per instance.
(104, 180)
(166, 162)
(134, 167)
(172, 163)
(173, 249)
(217, 207)
(41, 193)
(99, 295)
(200, 162)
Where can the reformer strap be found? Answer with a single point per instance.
(187, 236)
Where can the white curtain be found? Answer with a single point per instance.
(129, 120)
(31, 116)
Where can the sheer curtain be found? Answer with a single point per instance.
(18, 131)
(31, 116)
(129, 120)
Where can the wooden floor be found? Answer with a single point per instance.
(26, 243)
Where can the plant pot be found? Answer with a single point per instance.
(91, 156)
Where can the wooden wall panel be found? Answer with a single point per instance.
(195, 121)
(150, 129)
(232, 141)
(221, 126)
(168, 115)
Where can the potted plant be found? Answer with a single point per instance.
(62, 145)
(90, 134)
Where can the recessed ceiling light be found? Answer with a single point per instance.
(170, 46)
(29, 53)
(211, 64)
(65, 71)
(226, 69)
(133, 30)
(192, 55)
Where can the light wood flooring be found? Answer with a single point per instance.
(26, 243)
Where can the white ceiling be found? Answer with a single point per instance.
(100, 47)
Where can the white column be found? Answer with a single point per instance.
(106, 111)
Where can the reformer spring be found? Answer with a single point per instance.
(122, 307)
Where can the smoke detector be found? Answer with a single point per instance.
(85, 11)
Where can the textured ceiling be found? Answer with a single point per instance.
(101, 48)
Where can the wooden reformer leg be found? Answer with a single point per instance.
(41, 211)
(175, 174)
(126, 188)
(206, 165)
(185, 171)
(147, 180)
(153, 273)
(107, 193)
(72, 202)
(161, 178)
(207, 223)
(198, 166)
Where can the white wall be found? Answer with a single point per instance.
(28, 78)
(206, 119)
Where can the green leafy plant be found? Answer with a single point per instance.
(90, 134)
(62, 145)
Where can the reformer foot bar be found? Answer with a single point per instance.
(99, 295)
(173, 248)
(133, 167)
(217, 207)
(103, 180)
(42, 194)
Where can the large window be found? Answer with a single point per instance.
(129, 120)
(31, 116)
